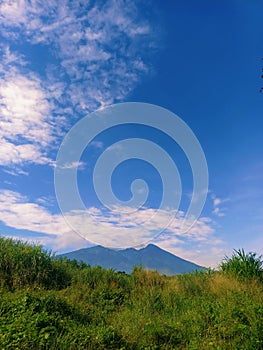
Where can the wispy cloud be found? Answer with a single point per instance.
(209, 253)
(25, 129)
(18, 212)
(114, 228)
(73, 165)
(218, 209)
(16, 171)
(93, 57)
(94, 54)
(97, 144)
(97, 47)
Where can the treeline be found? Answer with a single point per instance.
(46, 303)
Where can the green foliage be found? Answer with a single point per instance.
(24, 265)
(84, 307)
(243, 265)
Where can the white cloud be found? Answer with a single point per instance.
(94, 58)
(109, 228)
(116, 147)
(217, 201)
(97, 144)
(16, 171)
(24, 109)
(13, 11)
(10, 58)
(73, 165)
(218, 210)
(67, 242)
(18, 154)
(209, 254)
(25, 119)
(98, 47)
(18, 212)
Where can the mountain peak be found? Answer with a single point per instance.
(152, 246)
(151, 257)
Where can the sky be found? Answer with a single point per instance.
(61, 61)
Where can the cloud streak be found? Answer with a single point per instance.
(98, 48)
(115, 228)
(25, 120)
(92, 57)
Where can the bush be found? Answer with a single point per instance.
(23, 265)
(243, 265)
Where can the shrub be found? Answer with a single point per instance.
(243, 265)
(23, 265)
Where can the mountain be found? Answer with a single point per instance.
(150, 257)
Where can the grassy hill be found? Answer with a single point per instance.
(47, 303)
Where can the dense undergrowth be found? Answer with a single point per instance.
(56, 304)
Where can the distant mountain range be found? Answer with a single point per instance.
(150, 257)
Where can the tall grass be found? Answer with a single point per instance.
(243, 265)
(24, 265)
(58, 304)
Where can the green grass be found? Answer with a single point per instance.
(56, 304)
(243, 265)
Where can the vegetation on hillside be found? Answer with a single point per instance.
(47, 303)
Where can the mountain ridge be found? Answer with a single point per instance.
(150, 257)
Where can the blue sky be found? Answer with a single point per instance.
(62, 60)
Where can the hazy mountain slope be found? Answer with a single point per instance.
(151, 257)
